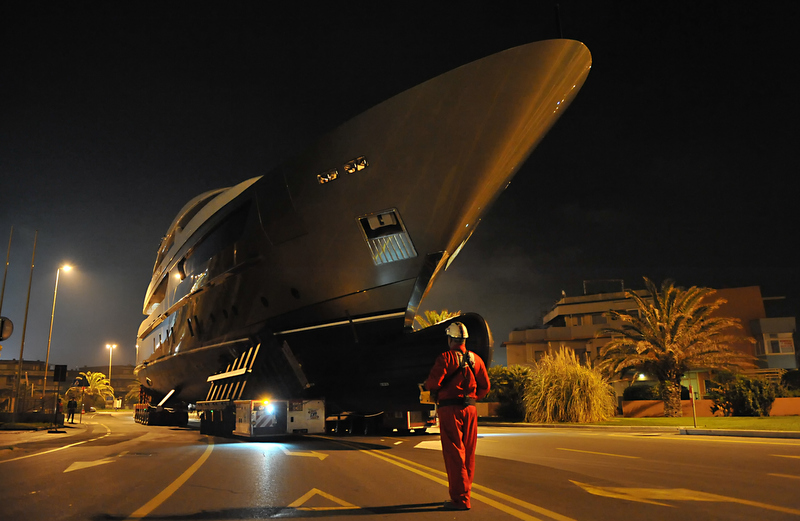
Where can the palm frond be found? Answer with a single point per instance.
(431, 318)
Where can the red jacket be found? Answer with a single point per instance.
(465, 385)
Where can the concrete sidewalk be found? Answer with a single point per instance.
(11, 438)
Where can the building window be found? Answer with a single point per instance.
(533, 355)
(577, 320)
(582, 354)
(779, 343)
(599, 318)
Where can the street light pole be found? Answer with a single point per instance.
(5, 273)
(65, 267)
(24, 328)
(110, 348)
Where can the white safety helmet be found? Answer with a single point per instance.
(457, 330)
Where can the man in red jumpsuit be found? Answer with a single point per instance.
(461, 379)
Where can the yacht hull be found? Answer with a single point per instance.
(329, 255)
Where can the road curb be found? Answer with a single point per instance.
(743, 434)
(686, 430)
(658, 428)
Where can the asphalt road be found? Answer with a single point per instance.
(113, 468)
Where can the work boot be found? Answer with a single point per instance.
(449, 505)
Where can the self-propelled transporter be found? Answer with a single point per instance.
(304, 282)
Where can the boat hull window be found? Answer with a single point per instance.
(386, 236)
(218, 246)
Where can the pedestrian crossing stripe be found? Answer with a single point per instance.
(297, 504)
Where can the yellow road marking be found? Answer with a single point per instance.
(478, 497)
(619, 493)
(431, 474)
(650, 495)
(47, 451)
(174, 486)
(600, 453)
(316, 492)
(58, 448)
(784, 476)
(784, 456)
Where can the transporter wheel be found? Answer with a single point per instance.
(373, 425)
(229, 421)
(342, 425)
(216, 423)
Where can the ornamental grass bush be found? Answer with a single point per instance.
(562, 389)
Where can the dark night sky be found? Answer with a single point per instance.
(675, 160)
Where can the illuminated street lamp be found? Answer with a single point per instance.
(65, 267)
(110, 348)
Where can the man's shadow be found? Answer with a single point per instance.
(289, 512)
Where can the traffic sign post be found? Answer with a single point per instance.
(6, 328)
(694, 408)
(55, 410)
(59, 375)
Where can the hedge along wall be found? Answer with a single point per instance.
(487, 409)
(655, 408)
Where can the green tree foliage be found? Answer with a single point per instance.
(739, 395)
(432, 318)
(508, 385)
(132, 396)
(564, 390)
(670, 335)
(791, 380)
(97, 388)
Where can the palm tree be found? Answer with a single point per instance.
(432, 318)
(96, 385)
(134, 389)
(672, 334)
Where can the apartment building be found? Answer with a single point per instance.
(573, 322)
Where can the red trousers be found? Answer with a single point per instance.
(458, 428)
